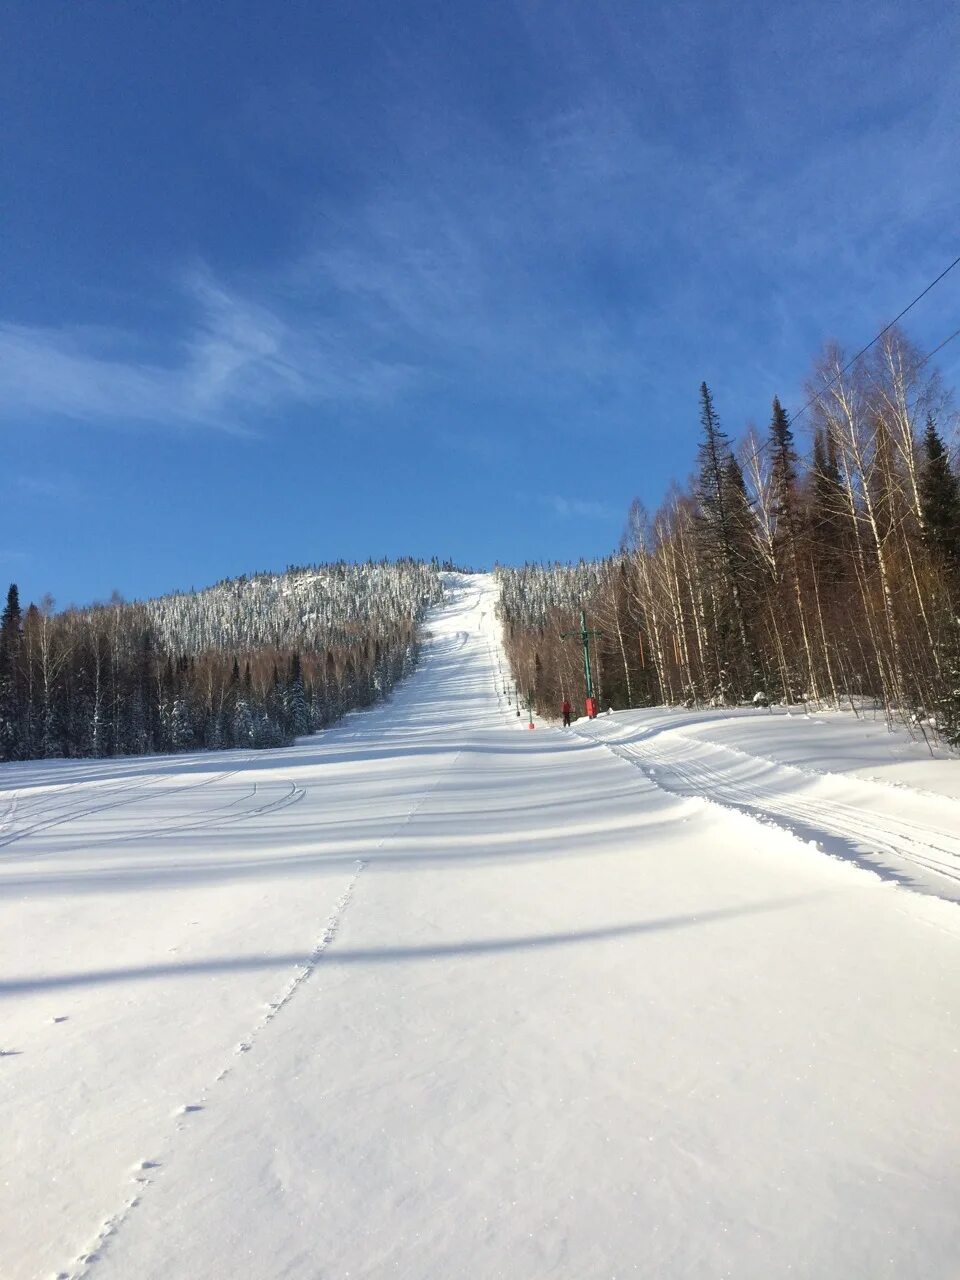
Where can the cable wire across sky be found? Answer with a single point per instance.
(873, 341)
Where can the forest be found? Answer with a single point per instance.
(252, 662)
(824, 571)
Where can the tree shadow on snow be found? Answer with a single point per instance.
(396, 954)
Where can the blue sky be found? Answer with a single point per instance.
(299, 281)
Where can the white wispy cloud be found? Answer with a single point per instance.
(579, 508)
(241, 359)
(49, 487)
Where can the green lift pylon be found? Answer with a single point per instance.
(585, 635)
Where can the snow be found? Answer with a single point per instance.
(432, 995)
(850, 787)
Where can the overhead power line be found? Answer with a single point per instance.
(873, 341)
(764, 445)
(931, 354)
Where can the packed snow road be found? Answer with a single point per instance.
(431, 995)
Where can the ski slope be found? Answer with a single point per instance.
(431, 995)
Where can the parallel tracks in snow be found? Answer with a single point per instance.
(65, 806)
(692, 768)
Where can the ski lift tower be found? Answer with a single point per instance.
(585, 635)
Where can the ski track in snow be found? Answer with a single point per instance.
(693, 768)
(129, 793)
(148, 789)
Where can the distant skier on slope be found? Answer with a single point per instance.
(565, 710)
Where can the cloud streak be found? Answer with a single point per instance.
(240, 362)
(43, 487)
(579, 508)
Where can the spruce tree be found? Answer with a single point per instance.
(11, 620)
(741, 518)
(180, 725)
(713, 454)
(243, 724)
(783, 475)
(331, 687)
(720, 493)
(298, 712)
(939, 499)
(828, 517)
(10, 634)
(787, 528)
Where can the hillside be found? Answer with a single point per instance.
(251, 662)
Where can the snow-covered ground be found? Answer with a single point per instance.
(432, 995)
(848, 786)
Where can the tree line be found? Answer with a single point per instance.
(774, 576)
(253, 662)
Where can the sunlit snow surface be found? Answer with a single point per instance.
(431, 996)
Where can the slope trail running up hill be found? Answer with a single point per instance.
(430, 995)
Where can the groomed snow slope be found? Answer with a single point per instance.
(858, 790)
(432, 995)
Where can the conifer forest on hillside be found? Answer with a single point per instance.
(247, 663)
(781, 573)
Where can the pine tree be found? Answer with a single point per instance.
(743, 546)
(713, 453)
(783, 475)
(11, 620)
(10, 638)
(939, 499)
(828, 518)
(944, 695)
(180, 727)
(243, 724)
(788, 533)
(298, 712)
(719, 492)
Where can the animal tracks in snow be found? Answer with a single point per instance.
(204, 1100)
(108, 1229)
(189, 1110)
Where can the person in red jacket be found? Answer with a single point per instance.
(565, 709)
